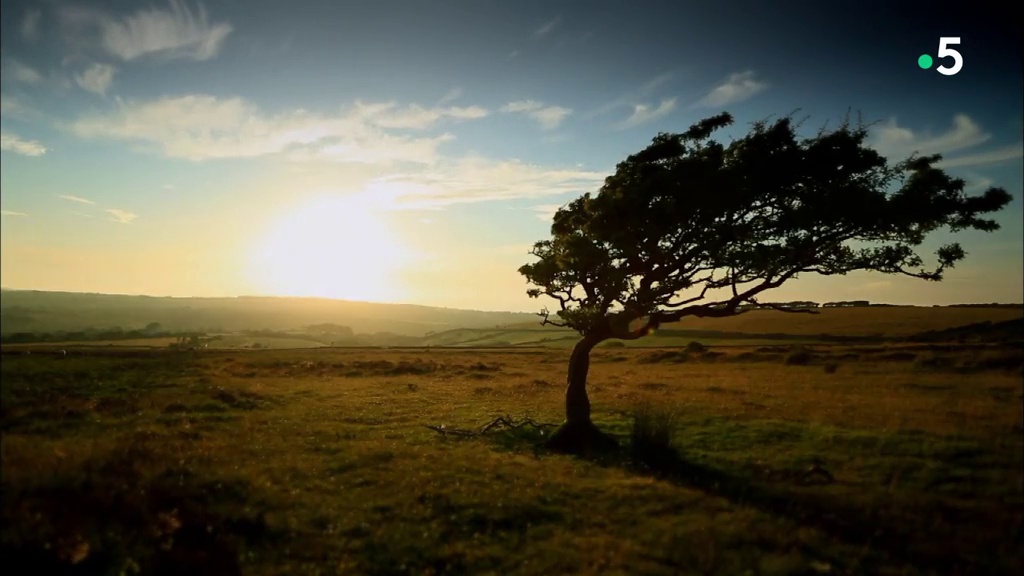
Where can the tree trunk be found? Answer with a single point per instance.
(578, 435)
(577, 403)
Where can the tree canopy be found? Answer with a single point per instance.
(693, 227)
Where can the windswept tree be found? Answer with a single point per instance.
(693, 227)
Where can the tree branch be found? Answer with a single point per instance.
(506, 422)
(546, 319)
(689, 300)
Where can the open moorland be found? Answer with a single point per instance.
(889, 457)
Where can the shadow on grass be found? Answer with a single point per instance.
(925, 533)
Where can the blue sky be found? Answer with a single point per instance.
(412, 151)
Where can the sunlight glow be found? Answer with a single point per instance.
(333, 246)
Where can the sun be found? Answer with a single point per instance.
(333, 246)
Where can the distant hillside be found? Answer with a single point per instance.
(890, 321)
(36, 311)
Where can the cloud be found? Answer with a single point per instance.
(1012, 152)
(200, 127)
(11, 213)
(29, 28)
(96, 78)
(898, 142)
(78, 199)
(979, 184)
(644, 113)
(891, 139)
(547, 27)
(13, 143)
(549, 117)
(545, 212)
(22, 72)
(176, 31)
(16, 108)
(418, 118)
(478, 179)
(121, 216)
(736, 88)
(450, 96)
(512, 54)
(8, 104)
(629, 100)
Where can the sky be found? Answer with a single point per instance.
(413, 151)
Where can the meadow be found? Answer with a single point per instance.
(840, 459)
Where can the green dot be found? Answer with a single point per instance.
(925, 61)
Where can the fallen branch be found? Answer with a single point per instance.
(499, 423)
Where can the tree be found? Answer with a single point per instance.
(692, 227)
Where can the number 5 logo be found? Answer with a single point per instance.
(946, 51)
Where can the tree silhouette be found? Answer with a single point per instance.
(692, 227)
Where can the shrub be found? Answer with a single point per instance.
(650, 438)
(831, 367)
(799, 357)
(696, 347)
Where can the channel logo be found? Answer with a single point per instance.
(925, 61)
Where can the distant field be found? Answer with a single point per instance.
(896, 321)
(758, 328)
(267, 462)
(882, 321)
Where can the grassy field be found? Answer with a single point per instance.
(119, 461)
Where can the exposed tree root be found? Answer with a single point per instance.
(499, 423)
(581, 438)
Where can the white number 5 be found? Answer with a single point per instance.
(945, 50)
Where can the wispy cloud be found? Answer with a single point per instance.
(10, 142)
(96, 79)
(419, 118)
(978, 183)
(11, 213)
(898, 142)
(736, 88)
(16, 108)
(176, 31)
(549, 117)
(8, 104)
(450, 96)
(479, 180)
(203, 127)
(646, 113)
(121, 216)
(22, 72)
(547, 27)
(1012, 152)
(545, 212)
(633, 97)
(78, 199)
(29, 28)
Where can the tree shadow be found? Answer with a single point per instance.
(894, 530)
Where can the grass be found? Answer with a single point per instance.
(320, 462)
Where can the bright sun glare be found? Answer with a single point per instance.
(333, 246)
